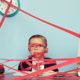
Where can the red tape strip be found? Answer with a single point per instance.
(5, 14)
(70, 61)
(48, 69)
(56, 26)
(63, 72)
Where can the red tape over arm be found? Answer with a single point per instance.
(48, 69)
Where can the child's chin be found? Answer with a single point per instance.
(38, 56)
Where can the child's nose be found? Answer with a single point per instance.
(36, 47)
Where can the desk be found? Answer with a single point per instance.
(10, 76)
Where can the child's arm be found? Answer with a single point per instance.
(22, 66)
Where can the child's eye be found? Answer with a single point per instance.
(32, 45)
(40, 46)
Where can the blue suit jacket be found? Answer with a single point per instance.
(24, 65)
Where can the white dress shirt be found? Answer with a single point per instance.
(35, 62)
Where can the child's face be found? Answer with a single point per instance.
(37, 48)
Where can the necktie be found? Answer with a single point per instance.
(38, 66)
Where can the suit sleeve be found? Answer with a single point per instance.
(49, 65)
(2, 70)
(19, 67)
(22, 66)
(56, 70)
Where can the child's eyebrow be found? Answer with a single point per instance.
(38, 44)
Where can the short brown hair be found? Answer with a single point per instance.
(39, 36)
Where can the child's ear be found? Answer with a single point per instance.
(46, 50)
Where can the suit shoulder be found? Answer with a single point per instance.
(47, 58)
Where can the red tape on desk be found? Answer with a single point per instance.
(20, 60)
(47, 69)
(69, 61)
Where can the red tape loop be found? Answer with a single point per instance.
(37, 45)
(40, 53)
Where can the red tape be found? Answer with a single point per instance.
(69, 61)
(36, 45)
(56, 26)
(48, 69)
(40, 53)
(1, 66)
(5, 14)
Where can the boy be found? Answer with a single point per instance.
(37, 46)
